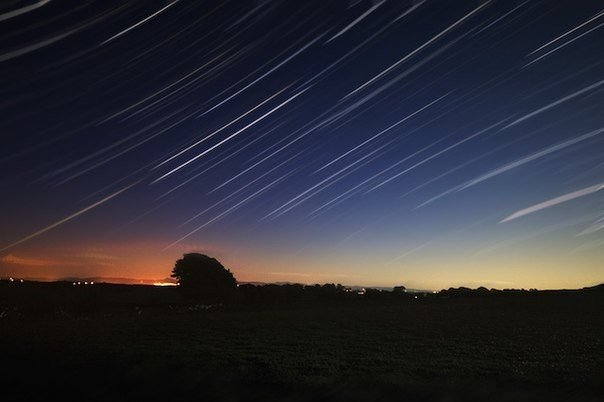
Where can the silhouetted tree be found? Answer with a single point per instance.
(203, 278)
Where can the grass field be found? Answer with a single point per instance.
(529, 348)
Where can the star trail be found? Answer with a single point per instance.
(429, 143)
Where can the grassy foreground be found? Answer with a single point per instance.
(542, 347)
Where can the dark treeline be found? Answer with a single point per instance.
(31, 297)
(298, 292)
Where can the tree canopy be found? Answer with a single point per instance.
(203, 278)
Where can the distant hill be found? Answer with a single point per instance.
(597, 288)
(458, 290)
(99, 279)
(117, 280)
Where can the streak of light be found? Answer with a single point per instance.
(500, 170)
(181, 92)
(262, 160)
(140, 22)
(118, 181)
(267, 63)
(229, 137)
(595, 227)
(543, 231)
(287, 137)
(455, 233)
(346, 193)
(47, 22)
(264, 75)
(410, 10)
(500, 18)
(435, 155)
(453, 170)
(245, 16)
(588, 246)
(329, 120)
(240, 189)
(532, 157)
(598, 15)
(23, 10)
(382, 132)
(143, 215)
(44, 43)
(68, 218)
(231, 209)
(163, 89)
(411, 251)
(221, 128)
(356, 21)
(413, 68)
(363, 43)
(290, 143)
(322, 181)
(183, 30)
(428, 43)
(553, 104)
(128, 149)
(563, 45)
(109, 147)
(221, 160)
(334, 181)
(555, 201)
(265, 131)
(332, 203)
(312, 81)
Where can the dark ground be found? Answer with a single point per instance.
(146, 346)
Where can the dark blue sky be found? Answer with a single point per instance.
(431, 143)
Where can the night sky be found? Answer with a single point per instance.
(424, 143)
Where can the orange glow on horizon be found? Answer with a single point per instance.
(140, 262)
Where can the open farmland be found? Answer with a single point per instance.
(544, 346)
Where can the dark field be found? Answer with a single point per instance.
(531, 347)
